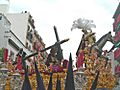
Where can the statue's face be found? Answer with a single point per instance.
(53, 51)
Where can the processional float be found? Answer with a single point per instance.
(91, 59)
(12, 79)
(93, 64)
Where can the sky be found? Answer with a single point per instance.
(62, 13)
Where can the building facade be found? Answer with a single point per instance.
(116, 29)
(17, 31)
(4, 30)
(22, 25)
(4, 6)
(38, 45)
(9, 43)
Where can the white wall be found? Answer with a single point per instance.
(2, 44)
(18, 43)
(4, 26)
(4, 6)
(19, 22)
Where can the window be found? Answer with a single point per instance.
(30, 36)
(0, 17)
(11, 55)
(29, 48)
(26, 44)
(28, 28)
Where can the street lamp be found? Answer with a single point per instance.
(3, 77)
(80, 80)
(15, 82)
